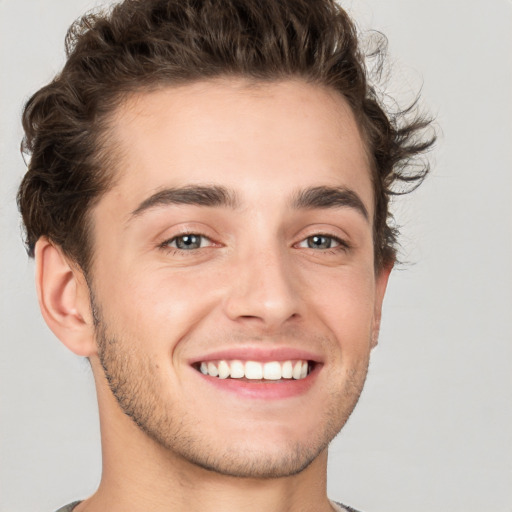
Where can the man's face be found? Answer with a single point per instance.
(237, 239)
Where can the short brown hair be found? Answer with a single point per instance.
(141, 44)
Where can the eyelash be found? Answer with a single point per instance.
(343, 245)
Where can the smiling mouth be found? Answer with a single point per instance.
(274, 371)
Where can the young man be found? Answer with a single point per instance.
(207, 204)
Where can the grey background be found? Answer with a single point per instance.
(433, 430)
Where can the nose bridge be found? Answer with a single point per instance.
(262, 286)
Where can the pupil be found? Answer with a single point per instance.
(188, 242)
(321, 242)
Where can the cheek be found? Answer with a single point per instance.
(157, 306)
(345, 304)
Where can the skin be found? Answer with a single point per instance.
(256, 283)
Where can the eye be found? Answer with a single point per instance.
(188, 242)
(321, 242)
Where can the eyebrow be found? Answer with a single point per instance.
(329, 197)
(198, 195)
(320, 197)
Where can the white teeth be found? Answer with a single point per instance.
(297, 370)
(223, 370)
(287, 370)
(254, 370)
(212, 369)
(272, 371)
(304, 370)
(237, 369)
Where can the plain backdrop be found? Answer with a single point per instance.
(433, 429)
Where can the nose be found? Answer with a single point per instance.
(263, 291)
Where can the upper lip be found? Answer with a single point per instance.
(261, 354)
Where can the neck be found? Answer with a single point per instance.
(140, 475)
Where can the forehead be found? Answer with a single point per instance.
(247, 136)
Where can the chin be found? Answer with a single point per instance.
(252, 463)
(252, 451)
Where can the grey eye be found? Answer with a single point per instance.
(321, 242)
(188, 242)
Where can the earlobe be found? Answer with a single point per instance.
(63, 299)
(381, 283)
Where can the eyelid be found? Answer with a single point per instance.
(168, 231)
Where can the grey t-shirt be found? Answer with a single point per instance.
(71, 506)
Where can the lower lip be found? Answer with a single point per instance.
(264, 390)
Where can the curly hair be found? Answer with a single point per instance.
(142, 44)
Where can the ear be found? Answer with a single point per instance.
(64, 299)
(381, 282)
